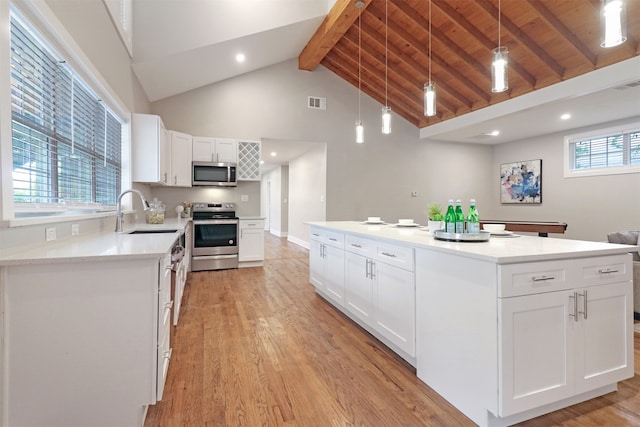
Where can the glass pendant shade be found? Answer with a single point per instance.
(499, 68)
(386, 120)
(613, 23)
(430, 99)
(359, 132)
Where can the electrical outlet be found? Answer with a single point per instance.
(50, 234)
(75, 229)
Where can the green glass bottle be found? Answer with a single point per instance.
(459, 217)
(450, 219)
(473, 219)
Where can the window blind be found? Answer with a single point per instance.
(616, 150)
(66, 143)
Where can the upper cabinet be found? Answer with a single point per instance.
(215, 150)
(180, 159)
(150, 148)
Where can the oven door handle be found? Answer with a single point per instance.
(214, 221)
(205, 257)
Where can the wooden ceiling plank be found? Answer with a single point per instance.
(337, 22)
(467, 26)
(413, 64)
(411, 40)
(558, 26)
(523, 39)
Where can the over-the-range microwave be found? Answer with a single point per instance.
(216, 174)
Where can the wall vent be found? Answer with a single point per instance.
(317, 103)
(628, 85)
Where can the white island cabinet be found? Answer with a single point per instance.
(86, 330)
(505, 330)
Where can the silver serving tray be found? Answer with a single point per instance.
(482, 236)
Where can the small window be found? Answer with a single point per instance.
(603, 152)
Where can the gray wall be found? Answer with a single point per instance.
(371, 179)
(591, 206)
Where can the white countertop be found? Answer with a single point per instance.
(103, 246)
(501, 250)
(251, 218)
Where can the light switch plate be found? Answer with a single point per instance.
(75, 229)
(50, 234)
(244, 198)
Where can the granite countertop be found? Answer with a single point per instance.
(501, 250)
(106, 245)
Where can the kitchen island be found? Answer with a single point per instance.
(86, 327)
(505, 330)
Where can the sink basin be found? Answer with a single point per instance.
(151, 231)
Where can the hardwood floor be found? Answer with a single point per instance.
(258, 347)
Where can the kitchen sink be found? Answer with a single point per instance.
(151, 231)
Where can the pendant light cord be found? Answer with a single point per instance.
(359, 61)
(386, 52)
(429, 41)
(499, 23)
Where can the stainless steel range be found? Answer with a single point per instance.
(215, 236)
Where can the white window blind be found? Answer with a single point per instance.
(66, 143)
(606, 151)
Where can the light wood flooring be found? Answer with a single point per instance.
(258, 347)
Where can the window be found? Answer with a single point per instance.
(604, 152)
(66, 142)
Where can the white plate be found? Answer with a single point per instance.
(407, 225)
(501, 233)
(373, 222)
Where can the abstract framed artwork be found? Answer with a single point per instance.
(521, 182)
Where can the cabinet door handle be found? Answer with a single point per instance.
(542, 278)
(584, 306)
(165, 178)
(373, 269)
(324, 251)
(608, 270)
(356, 245)
(366, 274)
(388, 254)
(167, 353)
(574, 297)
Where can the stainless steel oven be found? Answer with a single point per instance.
(215, 236)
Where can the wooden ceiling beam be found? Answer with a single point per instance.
(523, 39)
(561, 29)
(337, 22)
(412, 41)
(465, 25)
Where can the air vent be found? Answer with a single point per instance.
(317, 103)
(628, 85)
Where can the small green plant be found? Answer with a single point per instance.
(435, 212)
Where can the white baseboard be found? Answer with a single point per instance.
(298, 242)
(278, 233)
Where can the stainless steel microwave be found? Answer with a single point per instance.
(214, 174)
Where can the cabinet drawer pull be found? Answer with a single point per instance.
(574, 303)
(314, 234)
(356, 245)
(167, 353)
(168, 305)
(332, 239)
(251, 225)
(608, 270)
(542, 278)
(388, 254)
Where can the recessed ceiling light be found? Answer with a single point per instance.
(273, 154)
(262, 162)
(493, 133)
(240, 57)
(565, 116)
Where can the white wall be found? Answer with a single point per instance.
(307, 191)
(591, 206)
(274, 180)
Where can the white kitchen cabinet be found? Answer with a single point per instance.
(251, 243)
(217, 150)
(181, 273)
(86, 343)
(380, 289)
(249, 160)
(326, 264)
(180, 165)
(558, 344)
(150, 150)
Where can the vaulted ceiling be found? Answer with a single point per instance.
(549, 41)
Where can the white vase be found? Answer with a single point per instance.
(435, 225)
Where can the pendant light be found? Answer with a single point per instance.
(430, 87)
(359, 126)
(613, 23)
(499, 66)
(386, 110)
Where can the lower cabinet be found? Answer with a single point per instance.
(326, 264)
(558, 344)
(85, 343)
(251, 243)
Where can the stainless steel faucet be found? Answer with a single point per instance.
(119, 213)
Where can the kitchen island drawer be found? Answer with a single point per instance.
(400, 256)
(603, 270)
(534, 277)
(360, 245)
